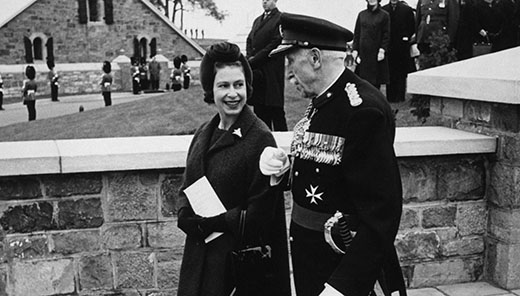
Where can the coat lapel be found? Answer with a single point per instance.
(261, 22)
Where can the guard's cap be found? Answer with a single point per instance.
(307, 32)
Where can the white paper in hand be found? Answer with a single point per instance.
(205, 202)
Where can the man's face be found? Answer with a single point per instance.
(372, 2)
(269, 5)
(300, 72)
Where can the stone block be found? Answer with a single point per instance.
(503, 225)
(134, 270)
(169, 255)
(436, 105)
(95, 272)
(510, 148)
(471, 218)
(503, 264)
(419, 180)
(165, 235)
(42, 278)
(418, 245)
(72, 184)
(168, 274)
(28, 218)
(80, 213)
(128, 199)
(3, 281)
(149, 178)
(428, 274)
(67, 243)
(27, 247)
(439, 216)
(504, 185)
(127, 236)
(409, 219)
(477, 112)
(169, 188)
(19, 188)
(452, 107)
(505, 117)
(464, 246)
(462, 180)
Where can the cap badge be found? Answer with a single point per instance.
(353, 95)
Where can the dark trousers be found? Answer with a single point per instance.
(186, 82)
(107, 97)
(1, 99)
(396, 89)
(135, 86)
(31, 109)
(54, 92)
(155, 84)
(313, 260)
(274, 117)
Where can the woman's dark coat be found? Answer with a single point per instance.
(372, 32)
(231, 166)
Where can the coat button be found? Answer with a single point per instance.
(318, 170)
(296, 174)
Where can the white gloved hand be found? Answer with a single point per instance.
(273, 161)
(381, 55)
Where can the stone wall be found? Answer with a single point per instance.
(115, 233)
(92, 42)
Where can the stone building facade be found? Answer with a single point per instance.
(82, 31)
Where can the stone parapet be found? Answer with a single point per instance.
(482, 95)
(103, 222)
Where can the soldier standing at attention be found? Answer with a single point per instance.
(343, 164)
(435, 15)
(53, 81)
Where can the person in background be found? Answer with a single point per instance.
(135, 75)
(53, 77)
(508, 37)
(1, 94)
(269, 81)
(371, 40)
(435, 15)
(185, 69)
(489, 23)
(144, 83)
(226, 150)
(29, 89)
(106, 83)
(155, 73)
(342, 167)
(466, 30)
(402, 28)
(176, 76)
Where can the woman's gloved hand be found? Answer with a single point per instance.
(190, 223)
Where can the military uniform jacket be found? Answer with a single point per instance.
(268, 72)
(359, 177)
(434, 15)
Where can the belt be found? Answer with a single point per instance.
(309, 219)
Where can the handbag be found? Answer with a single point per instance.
(252, 265)
(481, 48)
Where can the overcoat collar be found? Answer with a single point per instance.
(262, 22)
(236, 133)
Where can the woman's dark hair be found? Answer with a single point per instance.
(30, 72)
(220, 55)
(107, 67)
(184, 58)
(177, 62)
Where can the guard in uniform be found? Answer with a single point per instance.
(435, 15)
(342, 160)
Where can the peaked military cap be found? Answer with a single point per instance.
(308, 32)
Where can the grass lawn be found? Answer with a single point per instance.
(169, 114)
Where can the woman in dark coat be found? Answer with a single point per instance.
(489, 22)
(226, 150)
(371, 38)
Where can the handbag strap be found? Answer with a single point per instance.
(242, 227)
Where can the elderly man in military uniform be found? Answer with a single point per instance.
(342, 169)
(433, 16)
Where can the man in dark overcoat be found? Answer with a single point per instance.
(268, 72)
(343, 160)
(402, 28)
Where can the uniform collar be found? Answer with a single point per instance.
(329, 92)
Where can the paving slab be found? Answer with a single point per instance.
(472, 289)
(424, 292)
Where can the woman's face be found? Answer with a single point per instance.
(229, 92)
